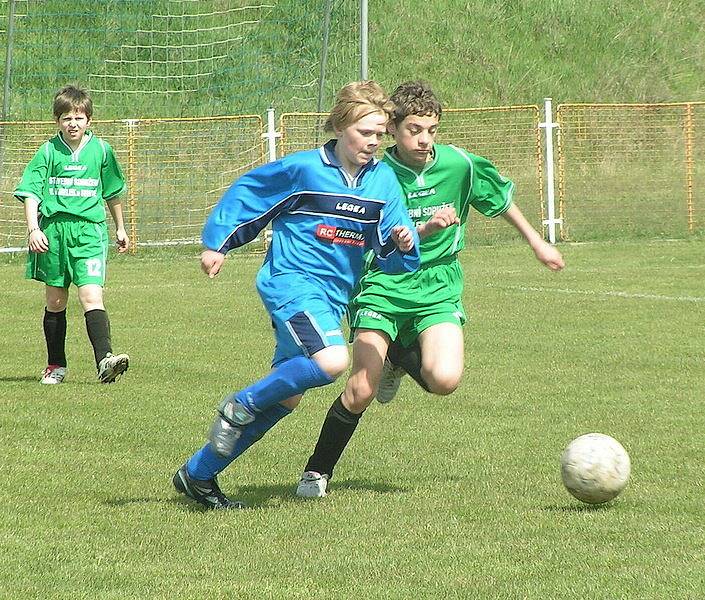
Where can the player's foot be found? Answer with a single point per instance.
(112, 366)
(53, 374)
(312, 485)
(389, 384)
(205, 492)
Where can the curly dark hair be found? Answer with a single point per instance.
(414, 98)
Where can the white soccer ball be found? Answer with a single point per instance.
(595, 468)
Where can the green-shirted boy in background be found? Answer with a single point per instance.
(64, 188)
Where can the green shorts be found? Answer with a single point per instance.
(77, 253)
(405, 305)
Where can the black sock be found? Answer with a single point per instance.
(409, 359)
(98, 326)
(55, 335)
(336, 432)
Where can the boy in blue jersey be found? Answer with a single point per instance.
(327, 207)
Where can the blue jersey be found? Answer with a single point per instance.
(323, 222)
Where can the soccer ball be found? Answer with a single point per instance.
(595, 468)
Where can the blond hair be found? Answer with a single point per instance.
(72, 97)
(355, 101)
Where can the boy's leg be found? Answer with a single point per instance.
(408, 358)
(206, 463)
(110, 366)
(310, 353)
(291, 378)
(87, 257)
(50, 267)
(435, 359)
(197, 478)
(54, 325)
(443, 357)
(430, 350)
(369, 348)
(97, 321)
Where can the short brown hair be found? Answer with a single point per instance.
(415, 98)
(72, 97)
(355, 101)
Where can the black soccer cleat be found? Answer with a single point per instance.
(205, 492)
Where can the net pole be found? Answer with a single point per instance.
(8, 60)
(324, 55)
(363, 41)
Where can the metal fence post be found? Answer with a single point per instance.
(548, 126)
(8, 60)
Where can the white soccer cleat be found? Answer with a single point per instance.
(390, 382)
(112, 366)
(53, 374)
(312, 485)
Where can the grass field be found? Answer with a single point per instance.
(456, 497)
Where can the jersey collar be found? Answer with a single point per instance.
(327, 154)
(74, 153)
(391, 154)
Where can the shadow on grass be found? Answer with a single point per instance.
(576, 508)
(259, 496)
(20, 378)
(36, 378)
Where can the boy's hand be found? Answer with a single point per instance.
(38, 242)
(211, 262)
(403, 238)
(123, 241)
(549, 256)
(441, 219)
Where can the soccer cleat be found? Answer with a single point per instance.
(205, 492)
(389, 384)
(53, 374)
(112, 366)
(312, 485)
(227, 427)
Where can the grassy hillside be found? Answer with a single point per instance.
(518, 51)
(234, 60)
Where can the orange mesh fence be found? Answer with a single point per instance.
(631, 170)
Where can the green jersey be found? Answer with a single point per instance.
(73, 182)
(453, 178)
(403, 305)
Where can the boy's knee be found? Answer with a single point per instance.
(358, 394)
(441, 384)
(56, 304)
(334, 360)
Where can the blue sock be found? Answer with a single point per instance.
(206, 464)
(292, 377)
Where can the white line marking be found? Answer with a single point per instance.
(603, 293)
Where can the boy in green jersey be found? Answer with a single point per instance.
(412, 323)
(64, 189)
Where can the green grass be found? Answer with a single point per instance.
(456, 497)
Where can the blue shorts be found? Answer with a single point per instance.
(305, 324)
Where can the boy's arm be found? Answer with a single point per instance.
(397, 245)
(36, 240)
(123, 241)
(249, 204)
(545, 252)
(441, 219)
